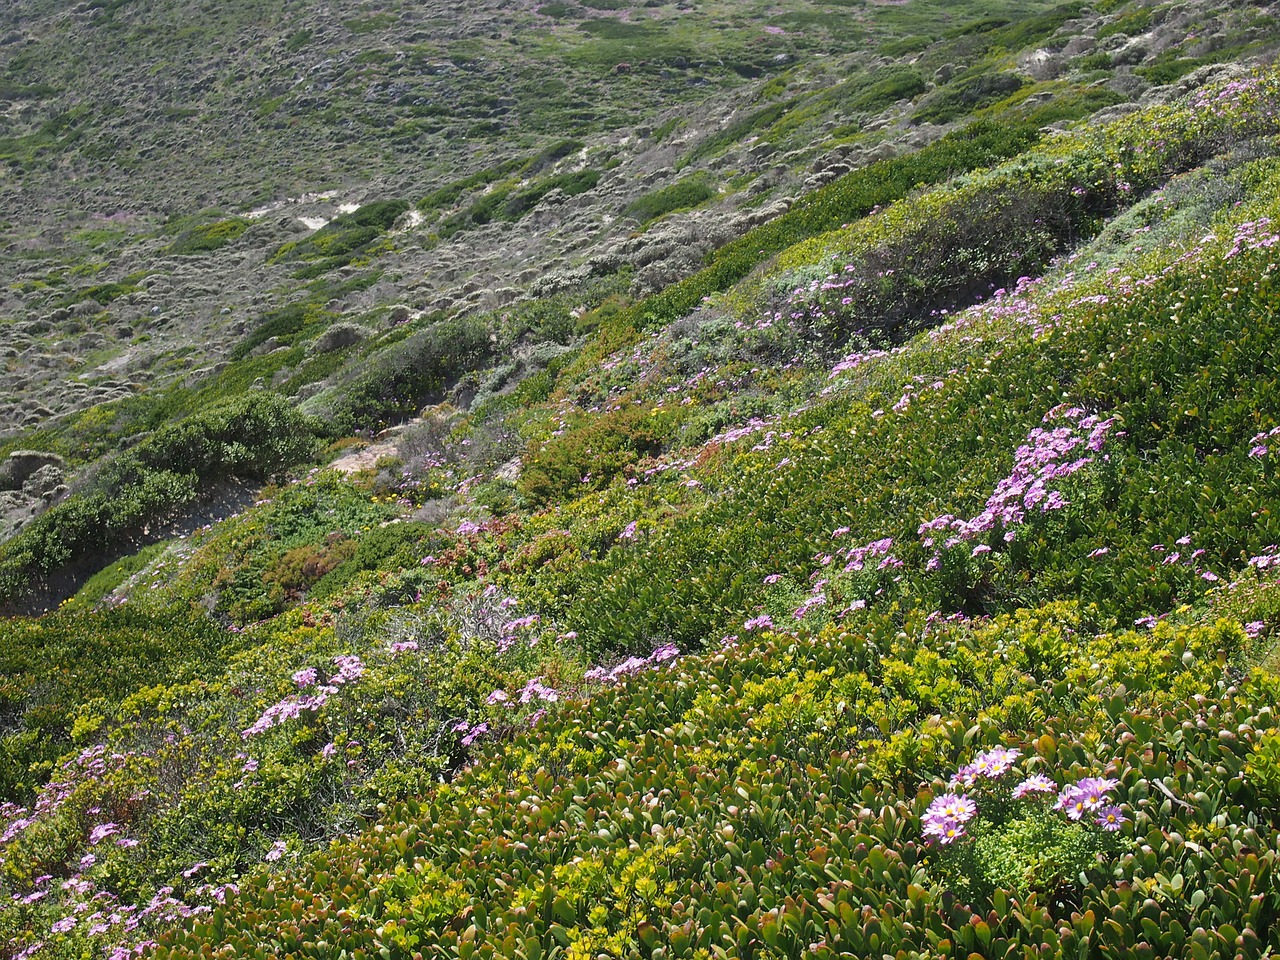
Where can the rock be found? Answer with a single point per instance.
(22, 465)
(338, 336)
(509, 471)
(46, 483)
(265, 347)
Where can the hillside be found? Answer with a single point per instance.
(678, 480)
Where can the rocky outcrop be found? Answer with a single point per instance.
(23, 465)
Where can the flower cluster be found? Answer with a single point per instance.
(1268, 558)
(79, 902)
(350, 669)
(632, 665)
(948, 817)
(945, 819)
(1259, 441)
(992, 765)
(1051, 453)
(1253, 235)
(1091, 796)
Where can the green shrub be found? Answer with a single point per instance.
(520, 202)
(684, 194)
(839, 202)
(753, 123)
(1262, 770)
(904, 83)
(1029, 31)
(289, 324)
(208, 237)
(1130, 23)
(1095, 61)
(343, 239)
(762, 748)
(589, 457)
(147, 486)
(57, 665)
(397, 382)
(448, 195)
(962, 97)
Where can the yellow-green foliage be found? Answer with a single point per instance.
(742, 799)
(208, 237)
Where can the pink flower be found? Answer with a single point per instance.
(101, 832)
(1037, 783)
(952, 806)
(1111, 819)
(944, 831)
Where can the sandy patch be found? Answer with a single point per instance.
(366, 459)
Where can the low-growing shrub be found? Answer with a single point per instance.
(691, 804)
(962, 97)
(58, 665)
(684, 194)
(589, 457)
(343, 239)
(399, 380)
(904, 83)
(255, 436)
(207, 237)
(840, 202)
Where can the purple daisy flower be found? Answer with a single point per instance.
(952, 806)
(1072, 802)
(944, 831)
(1037, 783)
(1111, 819)
(1093, 791)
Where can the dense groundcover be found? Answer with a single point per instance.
(768, 800)
(955, 640)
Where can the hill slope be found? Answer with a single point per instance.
(749, 579)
